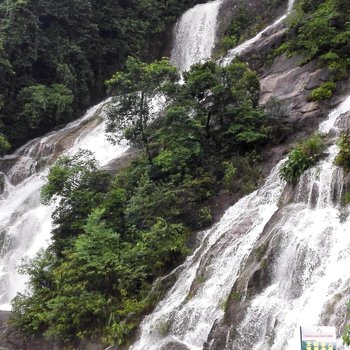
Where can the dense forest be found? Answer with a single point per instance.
(95, 281)
(56, 55)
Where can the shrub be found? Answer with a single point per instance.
(230, 174)
(343, 157)
(323, 92)
(4, 145)
(205, 217)
(302, 157)
(346, 336)
(346, 198)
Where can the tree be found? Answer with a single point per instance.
(138, 90)
(80, 187)
(228, 99)
(46, 105)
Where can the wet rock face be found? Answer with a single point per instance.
(256, 275)
(2, 182)
(174, 345)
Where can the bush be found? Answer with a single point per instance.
(323, 92)
(230, 174)
(343, 157)
(302, 157)
(346, 336)
(346, 198)
(4, 145)
(319, 30)
(205, 217)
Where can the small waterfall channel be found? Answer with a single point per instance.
(25, 223)
(195, 34)
(241, 48)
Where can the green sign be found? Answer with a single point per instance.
(318, 338)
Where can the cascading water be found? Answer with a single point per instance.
(311, 258)
(25, 224)
(310, 278)
(195, 302)
(311, 284)
(311, 267)
(194, 35)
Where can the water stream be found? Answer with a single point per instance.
(195, 34)
(25, 223)
(241, 48)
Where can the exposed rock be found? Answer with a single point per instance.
(316, 78)
(116, 164)
(2, 182)
(344, 121)
(258, 56)
(229, 9)
(174, 345)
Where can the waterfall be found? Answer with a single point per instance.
(197, 298)
(194, 35)
(310, 284)
(312, 257)
(310, 279)
(25, 223)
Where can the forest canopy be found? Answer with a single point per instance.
(55, 56)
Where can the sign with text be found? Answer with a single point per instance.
(318, 338)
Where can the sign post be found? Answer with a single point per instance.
(318, 338)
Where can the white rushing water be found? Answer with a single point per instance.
(25, 223)
(188, 316)
(311, 280)
(195, 34)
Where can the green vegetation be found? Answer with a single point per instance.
(346, 198)
(261, 250)
(343, 157)
(114, 237)
(346, 336)
(301, 157)
(249, 20)
(134, 90)
(56, 55)
(323, 92)
(4, 145)
(319, 29)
